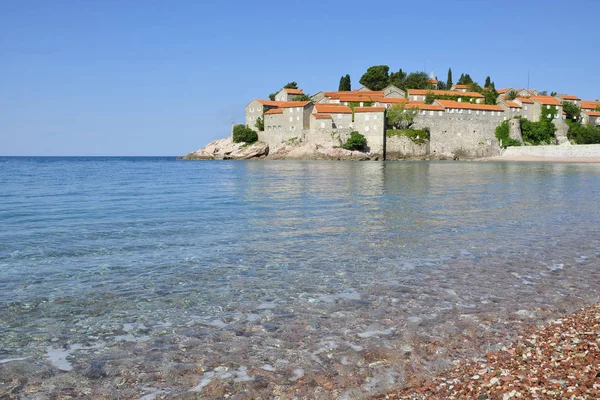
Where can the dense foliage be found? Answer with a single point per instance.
(289, 85)
(503, 135)
(400, 117)
(376, 78)
(449, 80)
(464, 79)
(583, 134)
(241, 133)
(345, 84)
(302, 97)
(511, 95)
(429, 98)
(536, 133)
(356, 141)
(573, 112)
(418, 136)
(260, 124)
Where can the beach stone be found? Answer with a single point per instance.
(226, 149)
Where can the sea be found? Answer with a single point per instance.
(149, 277)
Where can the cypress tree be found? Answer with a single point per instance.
(488, 82)
(449, 80)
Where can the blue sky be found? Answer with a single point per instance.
(147, 77)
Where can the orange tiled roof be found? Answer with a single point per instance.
(568, 97)
(461, 86)
(274, 111)
(332, 109)
(337, 95)
(525, 100)
(368, 109)
(269, 103)
(593, 113)
(546, 100)
(292, 104)
(512, 104)
(425, 107)
(353, 98)
(519, 89)
(504, 90)
(293, 91)
(423, 92)
(322, 116)
(469, 106)
(589, 104)
(432, 81)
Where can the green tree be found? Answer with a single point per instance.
(503, 135)
(511, 95)
(356, 141)
(429, 98)
(416, 80)
(291, 85)
(398, 79)
(272, 96)
(465, 79)
(541, 132)
(241, 133)
(449, 80)
(302, 97)
(543, 93)
(583, 134)
(488, 82)
(400, 117)
(345, 85)
(260, 124)
(597, 108)
(376, 78)
(573, 112)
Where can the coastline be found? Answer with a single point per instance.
(534, 158)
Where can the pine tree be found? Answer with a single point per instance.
(449, 80)
(488, 82)
(345, 84)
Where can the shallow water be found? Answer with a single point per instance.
(151, 278)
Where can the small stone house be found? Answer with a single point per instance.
(288, 94)
(511, 109)
(420, 94)
(589, 105)
(296, 115)
(568, 97)
(341, 115)
(256, 109)
(526, 107)
(459, 88)
(591, 117)
(542, 106)
(370, 122)
(393, 91)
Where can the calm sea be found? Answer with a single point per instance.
(154, 277)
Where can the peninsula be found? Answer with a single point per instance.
(409, 116)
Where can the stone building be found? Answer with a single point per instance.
(420, 94)
(511, 109)
(288, 94)
(256, 109)
(542, 106)
(459, 88)
(568, 97)
(526, 107)
(370, 122)
(393, 92)
(341, 115)
(590, 105)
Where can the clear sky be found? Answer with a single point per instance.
(149, 77)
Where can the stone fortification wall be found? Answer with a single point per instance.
(275, 138)
(464, 135)
(401, 147)
(564, 151)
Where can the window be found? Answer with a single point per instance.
(430, 112)
(340, 116)
(366, 129)
(548, 116)
(322, 125)
(367, 117)
(293, 128)
(251, 118)
(252, 110)
(291, 119)
(477, 112)
(440, 113)
(298, 118)
(374, 117)
(469, 111)
(298, 109)
(483, 112)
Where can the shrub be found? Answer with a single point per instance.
(241, 133)
(503, 135)
(573, 112)
(355, 142)
(583, 134)
(429, 98)
(537, 132)
(260, 124)
(418, 136)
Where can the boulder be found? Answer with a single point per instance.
(225, 149)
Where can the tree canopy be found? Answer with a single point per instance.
(465, 79)
(400, 117)
(345, 84)
(291, 85)
(449, 80)
(573, 112)
(376, 78)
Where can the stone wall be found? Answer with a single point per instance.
(465, 135)
(371, 126)
(565, 151)
(275, 138)
(254, 110)
(401, 147)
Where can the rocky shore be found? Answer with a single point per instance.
(559, 361)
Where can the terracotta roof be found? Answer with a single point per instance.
(589, 104)
(546, 100)
(269, 103)
(293, 91)
(421, 92)
(525, 100)
(461, 86)
(432, 81)
(353, 97)
(512, 104)
(469, 106)
(504, 90)
(322, 116)
(593, 113)
(274, 111)
(332, 109)
(292, 104)
(422, 106)
(519, 89)
(568, 97)
(368, 109)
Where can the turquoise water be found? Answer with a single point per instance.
(261, 276)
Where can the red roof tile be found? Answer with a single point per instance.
(392, 100)
(337, 95)
(568, 97)
(292, 104)
(546, 100)
(368, 109)
(512, 104)
(422, 106)
(593, 113)
(332, 109)
(274, 111)
(589, 104)
(469, 106)
(525, 100)
(322, 116)
(293, 91)
(423, 92)
(504, 90)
